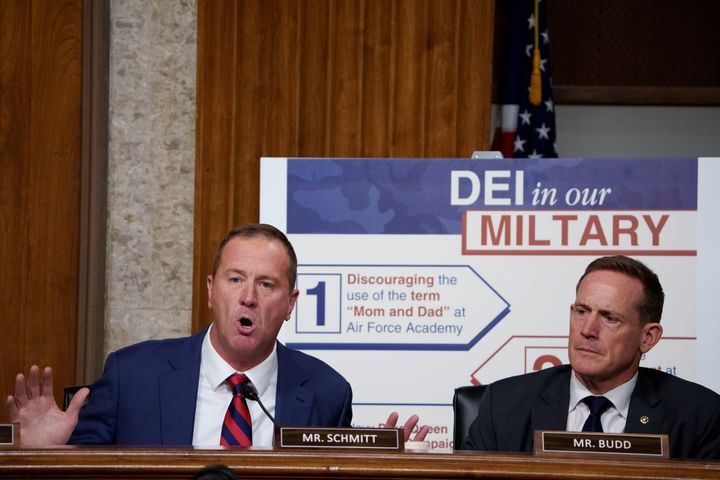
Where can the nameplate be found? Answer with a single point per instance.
(627, 444)
(9, 434)
(353, 438)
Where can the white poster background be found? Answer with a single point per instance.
(539, 288)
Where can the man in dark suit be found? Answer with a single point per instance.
(614, 321)
(176, 392)
(162, 378)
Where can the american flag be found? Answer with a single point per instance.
(527, 125)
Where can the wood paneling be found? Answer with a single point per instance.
(93, 192)
(644, 52)
(40, 144)
(173, 463)
(329, 78)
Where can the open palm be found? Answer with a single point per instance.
(33, 407)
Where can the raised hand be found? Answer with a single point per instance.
(408, 427)
(42, 422)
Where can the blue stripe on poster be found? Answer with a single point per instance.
(429, 196)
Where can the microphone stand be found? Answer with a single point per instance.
(249, 391)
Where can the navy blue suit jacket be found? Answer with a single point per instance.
(147, 394)
(512, 409)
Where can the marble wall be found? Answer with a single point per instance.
(151, 170)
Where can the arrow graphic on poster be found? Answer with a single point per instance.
(393, 307)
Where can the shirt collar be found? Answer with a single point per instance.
(619, 396)
(217, 370)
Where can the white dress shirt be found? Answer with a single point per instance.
(214, 396)
(613, 419)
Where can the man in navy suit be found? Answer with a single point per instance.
(614, 321)
(174, 392)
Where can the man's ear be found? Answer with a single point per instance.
(209, 288)
(652, 332)
(293, 299)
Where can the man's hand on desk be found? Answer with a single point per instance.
(408, 427)
(42, 422)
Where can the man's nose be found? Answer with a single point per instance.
(590, 325)
(247, 295)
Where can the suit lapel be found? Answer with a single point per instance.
(294, 403)
(550, 413)
(178, 392)
(646, 413)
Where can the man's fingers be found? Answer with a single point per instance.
(33, 382)
(411, 422)
(410, 425)
(391, 420)
(78, 400)
(422, 433)
(46, 382)
(12, 409)
(20, 388)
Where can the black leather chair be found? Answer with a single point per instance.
(465, 409)
(69, 392)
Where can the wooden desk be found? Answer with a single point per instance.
(166, 463)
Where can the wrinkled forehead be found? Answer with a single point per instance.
(610, 290)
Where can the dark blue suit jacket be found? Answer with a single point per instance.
(512, 409)
(147, 394)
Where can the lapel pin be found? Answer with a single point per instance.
(644, 420)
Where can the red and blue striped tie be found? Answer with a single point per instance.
(237, 426)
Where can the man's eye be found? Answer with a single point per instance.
(234, 279)
(266, 284)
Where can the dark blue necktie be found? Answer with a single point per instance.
(597, 406)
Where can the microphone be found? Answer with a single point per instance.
(249, 391)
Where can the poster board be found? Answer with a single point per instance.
(421, 275)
